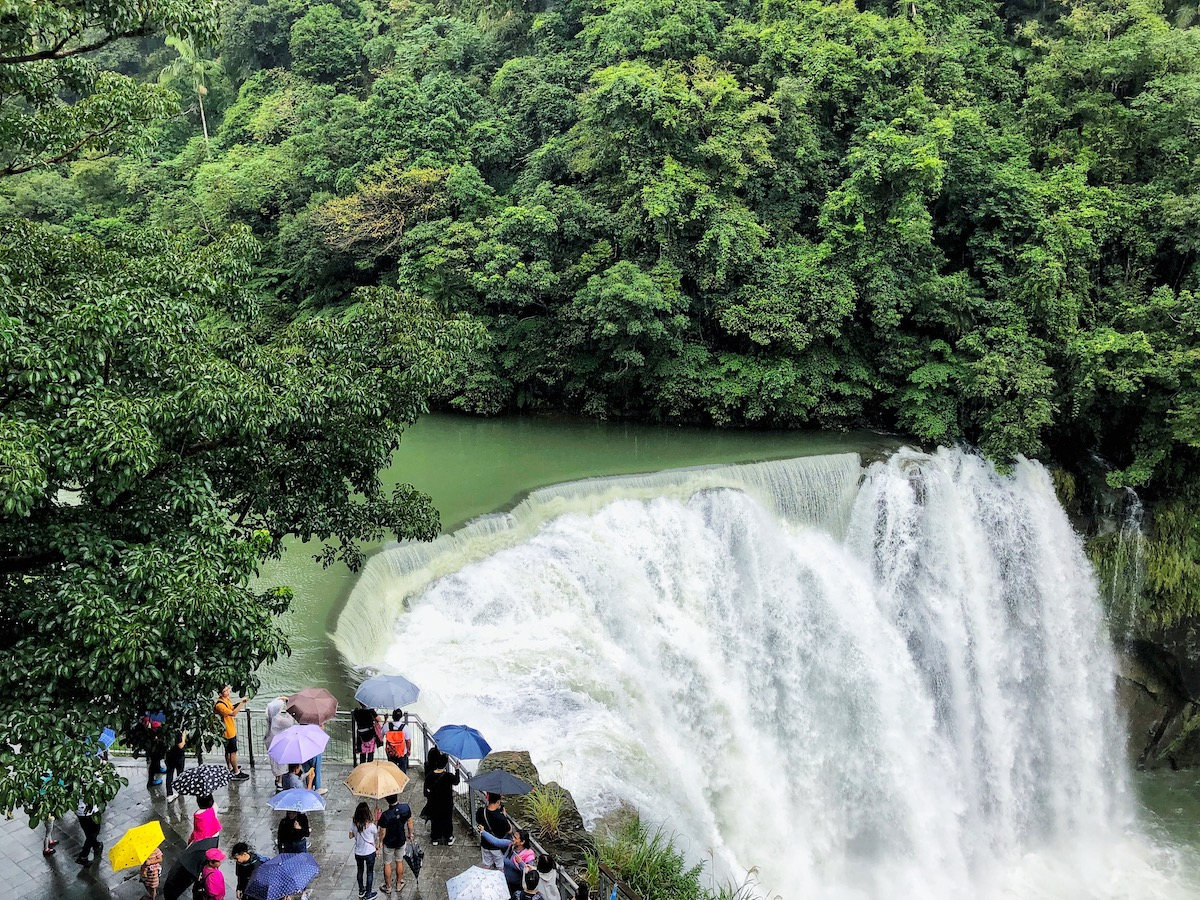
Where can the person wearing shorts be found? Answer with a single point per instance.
(228, 711)
(395, 829)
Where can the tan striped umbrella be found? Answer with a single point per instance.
(376, 780)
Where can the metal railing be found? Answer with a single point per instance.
(340, 729)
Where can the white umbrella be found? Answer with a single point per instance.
(478, 884)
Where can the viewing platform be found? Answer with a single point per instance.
(25, 874)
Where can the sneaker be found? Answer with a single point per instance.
(171, 798)
(450, 843)
(82, 860)
(436, 843)
(154, 783)
(241, 776)
(322, 791)
(162, 770)
(371, 896)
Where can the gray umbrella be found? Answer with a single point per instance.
(387, 692)
(202, 780)
(500, 782)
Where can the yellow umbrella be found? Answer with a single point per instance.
(135, 846)
(376, 779)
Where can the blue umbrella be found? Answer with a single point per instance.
(461, 741)
(287, 873)
(387, 692)
(298, 800)
(107, 736)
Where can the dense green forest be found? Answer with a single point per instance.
(964, 220)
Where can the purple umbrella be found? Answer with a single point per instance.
(298, 744)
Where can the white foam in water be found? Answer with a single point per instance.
(913, 700)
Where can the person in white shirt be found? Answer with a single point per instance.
(365, 833)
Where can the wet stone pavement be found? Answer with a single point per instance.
(242, 808)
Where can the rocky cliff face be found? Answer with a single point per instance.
(1163, 718)
(569, 841)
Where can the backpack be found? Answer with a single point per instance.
(395, 743)
(394, 819)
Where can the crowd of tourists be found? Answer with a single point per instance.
(503, 846)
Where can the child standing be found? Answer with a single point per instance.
(211, 876)
(151, 873)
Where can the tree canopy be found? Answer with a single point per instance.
(163, 427)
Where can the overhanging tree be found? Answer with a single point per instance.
(161, 433)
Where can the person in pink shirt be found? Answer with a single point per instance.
(204, 820)
(211, 876)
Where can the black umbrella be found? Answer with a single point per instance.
(187, 868)
(414, 856)
(202, 780)
(500, 782)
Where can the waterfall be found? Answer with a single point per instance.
(814, 490)
(884, 684)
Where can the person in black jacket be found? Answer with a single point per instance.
(245, 862)
(439, 791)
(293, 833)
(364, 733)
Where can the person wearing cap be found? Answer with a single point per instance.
(211, 876)
(227, 710)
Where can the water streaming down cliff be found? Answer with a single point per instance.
(814, 490)
(899, 688)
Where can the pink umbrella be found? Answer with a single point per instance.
(312, 706)
(298, 744)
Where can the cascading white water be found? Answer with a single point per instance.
(915, 703)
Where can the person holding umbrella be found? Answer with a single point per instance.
(439, 791)
(205, 823)
(150, 874)
(246, 861)
(493, 819)
(293, 832)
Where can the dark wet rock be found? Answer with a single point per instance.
(571, 842)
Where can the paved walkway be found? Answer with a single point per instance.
(27, 875)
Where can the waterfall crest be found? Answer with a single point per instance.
(899, 689)
(816, 490)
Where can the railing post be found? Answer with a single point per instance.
(250, 735)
